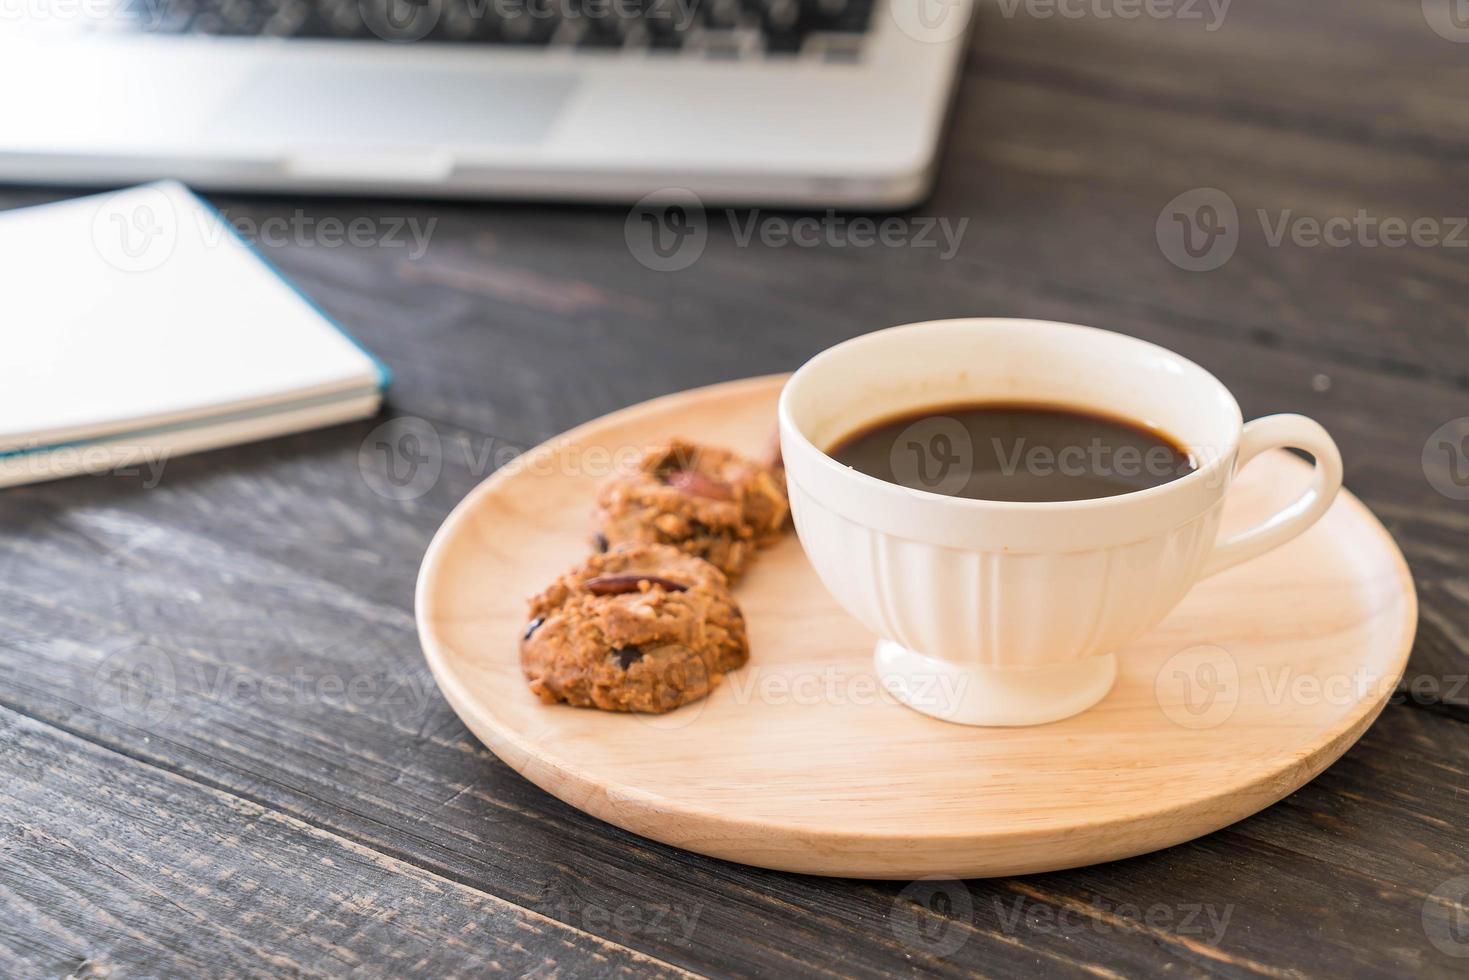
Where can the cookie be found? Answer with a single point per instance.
(705, 501)
(640, 628)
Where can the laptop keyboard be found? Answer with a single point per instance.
(829, 29)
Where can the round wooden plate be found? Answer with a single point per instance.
(1261, 678)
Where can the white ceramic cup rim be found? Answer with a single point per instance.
(994, 525)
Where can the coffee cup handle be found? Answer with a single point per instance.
(1276, 432)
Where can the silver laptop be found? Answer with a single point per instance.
(799, 102)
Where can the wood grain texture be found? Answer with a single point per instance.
(1260, 679)
(1069, 136)
(161, 875)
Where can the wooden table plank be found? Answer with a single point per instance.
(112, 866)
(264, 574)
(392, 768)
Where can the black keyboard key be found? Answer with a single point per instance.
(601, 32)
(528, 26)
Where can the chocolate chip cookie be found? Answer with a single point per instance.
(703, 500)
(640, 628)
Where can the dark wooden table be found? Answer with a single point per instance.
(292, 796)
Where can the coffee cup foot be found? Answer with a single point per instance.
(975, 695)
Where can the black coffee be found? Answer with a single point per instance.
(1012, 451)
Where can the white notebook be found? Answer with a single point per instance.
(138, 325)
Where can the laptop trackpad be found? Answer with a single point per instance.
(351, 105)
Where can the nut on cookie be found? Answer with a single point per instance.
(703, 500)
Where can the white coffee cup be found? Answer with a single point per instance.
(1010, 613)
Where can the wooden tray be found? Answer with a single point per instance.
(1258, 681)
